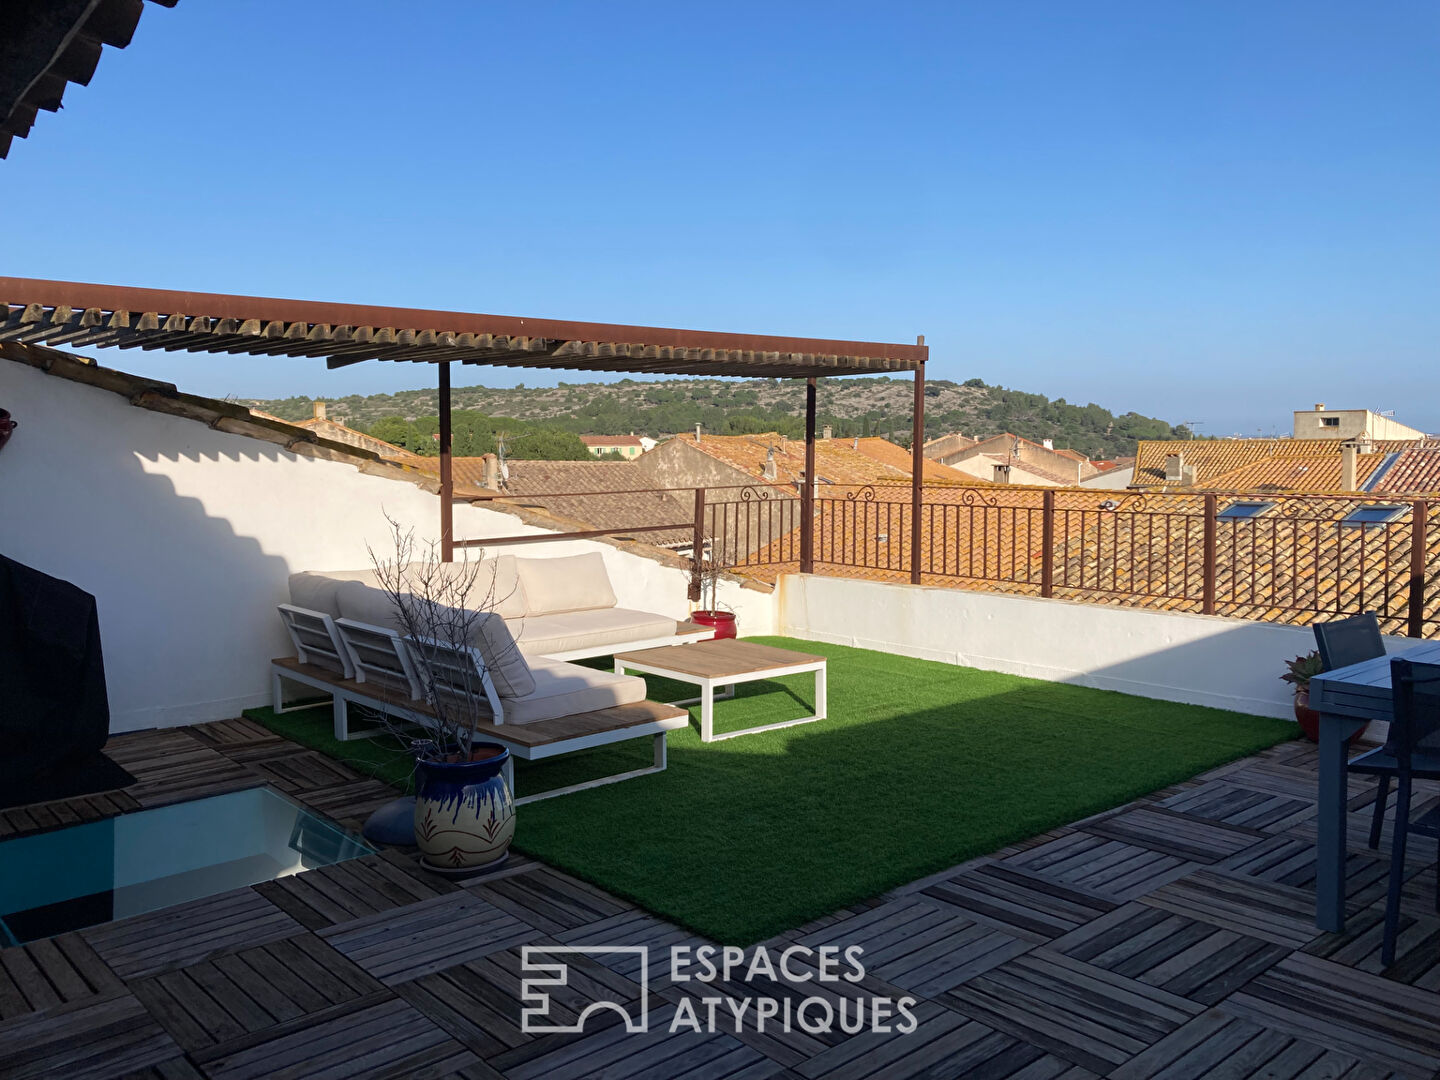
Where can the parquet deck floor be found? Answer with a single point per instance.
(1169, 938)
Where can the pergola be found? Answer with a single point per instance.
(85, 316)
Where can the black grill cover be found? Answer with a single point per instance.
(52, 677)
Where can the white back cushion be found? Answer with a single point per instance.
(572, 583)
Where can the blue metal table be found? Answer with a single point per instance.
(1345, 699)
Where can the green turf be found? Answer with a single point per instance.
(920, 766)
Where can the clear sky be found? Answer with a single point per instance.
(1215, 211)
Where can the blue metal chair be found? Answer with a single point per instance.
(1347, 641)
(1414, 742)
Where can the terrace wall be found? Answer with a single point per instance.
(1198, 659)
(186, 536)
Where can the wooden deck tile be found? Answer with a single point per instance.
(41, 817)
(349, 803)
(1110, 869)
(171, 765)
(1084, 1014)
(1216, 1043)
(385, 1038)
(93, 1038)
(1023, 904)
(218, 1001)
(921, 946)
(1260, 909)
(633, 927)
(1417, 947)
(1174, 834)
(480, 1002)
(178, 936)
(1235, 805)
(51, 972)
(404, 943)
(551, 901)
(350, 890)
(237, 735)
(1170, 952)
(1378, 1021)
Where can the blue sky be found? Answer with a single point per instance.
(1215, 211)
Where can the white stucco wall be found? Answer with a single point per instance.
(186, 536)
(1199, 659)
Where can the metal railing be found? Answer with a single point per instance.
(1296, 559)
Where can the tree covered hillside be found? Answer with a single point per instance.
(849, 406)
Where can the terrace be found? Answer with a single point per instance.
(1069, 881)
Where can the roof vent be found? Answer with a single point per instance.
(1320, 406)
(827, 433)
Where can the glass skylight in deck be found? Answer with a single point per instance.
(105, 870)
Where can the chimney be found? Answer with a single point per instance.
(856, 444)
(1048, 444)
(1364, 444)
(784, 445)
(826, 435)
(1320, 406)
(1347, 467)
(490, 471)
(1174, 468)
(769, 472)
(697, 433)
(1002, 474)
(318, 408)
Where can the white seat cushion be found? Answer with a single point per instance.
(316, 589)
(542, 635)
(563, 689)
(571, 583)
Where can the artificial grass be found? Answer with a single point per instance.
(919, 766)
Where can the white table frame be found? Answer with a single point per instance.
(707, 697)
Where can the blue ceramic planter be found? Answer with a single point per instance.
(464, 811)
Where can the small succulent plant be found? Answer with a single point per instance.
(1302, 669)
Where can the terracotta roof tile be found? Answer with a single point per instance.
(1215, 457)
(1315, 474)
(1413, 472)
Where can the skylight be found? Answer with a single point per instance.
(1244, 508)
(1373, 515)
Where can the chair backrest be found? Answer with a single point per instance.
(457, 676)
(378, 655)
(1415, 695)
(316, 639)
(1347, 641)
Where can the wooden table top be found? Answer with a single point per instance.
(718, 659)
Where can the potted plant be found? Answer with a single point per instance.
(1300, 671)
(464, 814)
(709, 570)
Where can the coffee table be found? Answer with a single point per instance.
(724, 663)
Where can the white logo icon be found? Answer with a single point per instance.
(556, 972)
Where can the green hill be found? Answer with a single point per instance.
(849, 406)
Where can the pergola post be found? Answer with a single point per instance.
(917, 470)
(447, 480)
(807, 490)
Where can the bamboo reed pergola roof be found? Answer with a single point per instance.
(81, 315)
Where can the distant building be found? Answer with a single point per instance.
(1323, 423)
(627, 446)
(1009, 459)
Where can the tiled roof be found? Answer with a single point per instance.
(1413, 472)
(611, 440)
(1314, 474)
(836, 461)
(631, 509)
(897, 457)
(1215, 457)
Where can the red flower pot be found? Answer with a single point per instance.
(1309, 719)
(722, 621)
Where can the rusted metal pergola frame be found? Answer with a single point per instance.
(86, 315)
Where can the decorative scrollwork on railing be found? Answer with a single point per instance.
(865, 493)
(750, 494)
(972, 497)
(1134, 503)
